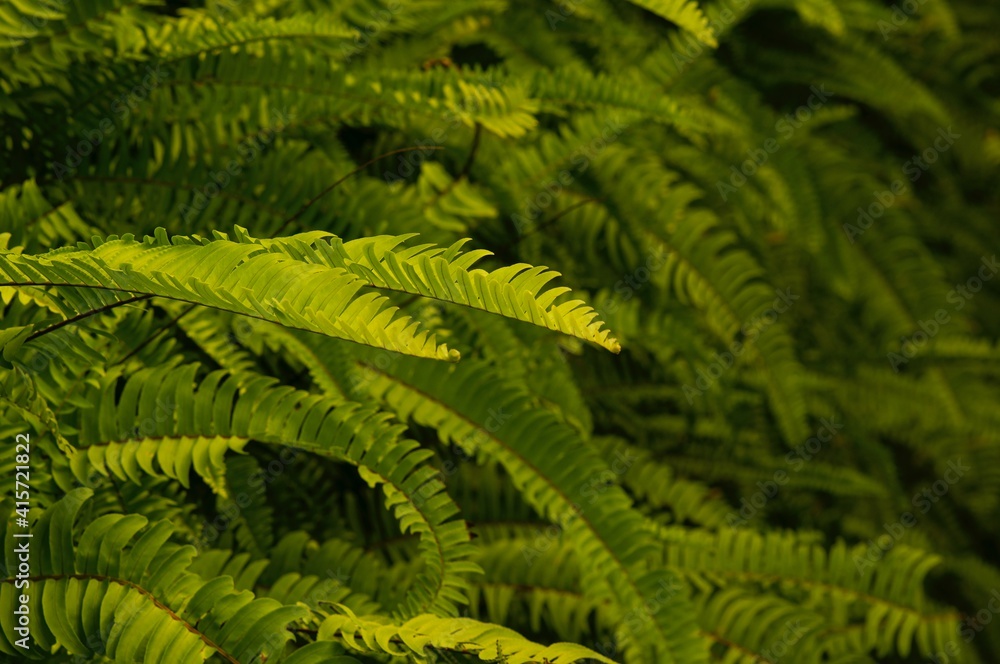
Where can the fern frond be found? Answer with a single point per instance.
(419, 636)
(896, 615)
(162, 422)
(277, 278)
(685, 13)
(556, 471)
(124, 590)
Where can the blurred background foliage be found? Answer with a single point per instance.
(785, 211)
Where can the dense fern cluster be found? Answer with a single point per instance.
(285, 377)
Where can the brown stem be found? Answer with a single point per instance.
(360, 168)
(92, 312)
(464, 173)
(553, 219)
(145, 593)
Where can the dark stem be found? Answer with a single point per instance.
(153, 336)
(553, 219)
(92, 312)
(283, 226)
(464, 173)
(360, 168)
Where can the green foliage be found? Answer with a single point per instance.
(296, 380)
